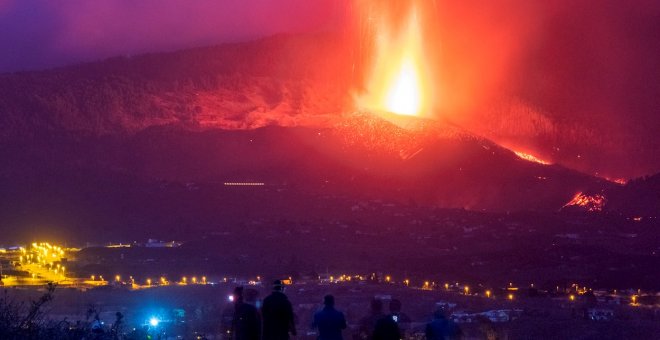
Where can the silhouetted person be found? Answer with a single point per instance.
(441, 328)
(251, 296)
(368, 323)
(386, 329)
(277, 314)
(400, 318)
(329, 321)
(246, 324)
(486, 328)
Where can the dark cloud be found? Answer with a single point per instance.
(41, 33)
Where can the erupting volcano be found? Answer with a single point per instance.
(398, 78)
(302, 103)
(377, 151)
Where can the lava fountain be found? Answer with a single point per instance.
(397, 82)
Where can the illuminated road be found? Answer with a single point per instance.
(43, 263)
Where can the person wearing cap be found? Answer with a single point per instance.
(329, 321)
(277, 315)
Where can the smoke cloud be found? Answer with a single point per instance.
(584, 77)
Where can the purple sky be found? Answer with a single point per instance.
(42, 33)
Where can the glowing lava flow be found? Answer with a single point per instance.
(397, 82)
(588, 202)
(530, 158)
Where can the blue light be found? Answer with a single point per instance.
(154, 321)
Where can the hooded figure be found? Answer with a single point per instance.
(277, 314)
(246, 324)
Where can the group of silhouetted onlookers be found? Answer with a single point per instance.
(276, 321)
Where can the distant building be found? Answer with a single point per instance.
(153, 243)
(445, 305)
(600, 314)
(497, 315)
(500, 315)
(463, 317)
(383, 297)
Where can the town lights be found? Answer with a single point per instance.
(510, 297)
(467, 290)
(488, 293)
(571, 297)
(154, 321)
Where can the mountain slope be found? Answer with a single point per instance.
(289, 80)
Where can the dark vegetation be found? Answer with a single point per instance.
(23, 320)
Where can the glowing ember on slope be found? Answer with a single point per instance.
(397, 81)
(588, 202)
(619, 181)
(530, 158)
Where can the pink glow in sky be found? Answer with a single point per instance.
(41, 33)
